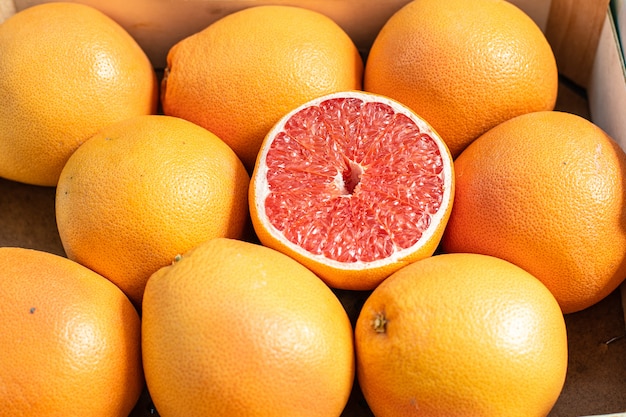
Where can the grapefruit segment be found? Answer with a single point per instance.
(353, 185)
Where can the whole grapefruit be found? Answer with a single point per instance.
(69, 340)
(142, 191)
(237, 329)
(461, 335)
(545, 191)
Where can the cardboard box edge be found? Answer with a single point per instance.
(607, 86)
(7, 9)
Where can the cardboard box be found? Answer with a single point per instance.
(586, 45)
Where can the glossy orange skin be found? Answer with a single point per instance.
(69, 340)
(464, 66)
(545, 191)
(238, 329)
(67, 70)
(144, 190)
(461, 335)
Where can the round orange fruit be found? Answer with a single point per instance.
(464, 66)
(461, 335)
(545, 191)
(354, 186)
(142, 191)
(68, 71)
(69, 340)
(242, 73)
(237, 329)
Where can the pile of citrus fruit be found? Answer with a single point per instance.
(211, 215)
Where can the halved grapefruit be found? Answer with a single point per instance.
(354, 186)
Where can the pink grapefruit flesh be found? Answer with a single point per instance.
(354, 181)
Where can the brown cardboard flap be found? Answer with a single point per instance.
(606, 89)
(7, 8)
(573, 30)
(571, 26)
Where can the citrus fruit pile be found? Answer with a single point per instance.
(216, 217)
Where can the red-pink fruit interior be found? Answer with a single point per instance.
(352, 180)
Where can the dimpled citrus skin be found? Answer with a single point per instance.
(238, 329)
(69, 340)
(142, 191)
(545, 191)
(464, 66)
(461, 335)
(67, 71)
(242, 73)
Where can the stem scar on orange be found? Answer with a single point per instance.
(354, 186)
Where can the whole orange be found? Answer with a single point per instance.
(237, 329)
(143, 190)
(461, 335)
(68, 71)
(69, 340)
(545, 191)
(238, 76)
(354, 186)
(464, 66)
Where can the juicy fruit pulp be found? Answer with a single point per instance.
(352, 179)
(366, 202)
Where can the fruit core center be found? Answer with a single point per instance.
(351, 176)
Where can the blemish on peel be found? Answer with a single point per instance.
(379, 323)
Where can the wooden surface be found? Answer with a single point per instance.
(573, 30)
(571, 26)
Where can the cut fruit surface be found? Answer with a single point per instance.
(354, 186)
